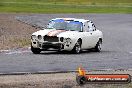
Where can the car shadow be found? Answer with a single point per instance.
(70, 53)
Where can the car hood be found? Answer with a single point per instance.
(68, 34)
(54, 32)
(43, 32)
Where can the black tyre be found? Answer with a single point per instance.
(77, 47)
(98, 46)
(81, 80)
(35, 50)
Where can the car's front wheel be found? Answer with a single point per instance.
(35, 50)
(77, 47)
(98, 46)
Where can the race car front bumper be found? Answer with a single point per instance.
(58, 45)
(48, 45)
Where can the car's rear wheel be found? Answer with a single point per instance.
(98, 46)
(35, 50)
(77, 47)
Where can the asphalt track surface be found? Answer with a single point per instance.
(116, 51)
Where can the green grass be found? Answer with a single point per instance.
(66, 6)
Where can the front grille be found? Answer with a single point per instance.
(55, 46)
(51, 38)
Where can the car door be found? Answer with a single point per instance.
(94, 33)
(90, 33)
(87, 37)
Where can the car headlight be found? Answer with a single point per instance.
(33, 36)
(61, 39)
(39, 37)
(67, 41)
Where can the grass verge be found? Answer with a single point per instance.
(65, 6)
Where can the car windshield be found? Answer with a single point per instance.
(57, 24)
(60, 24)
(74, 26)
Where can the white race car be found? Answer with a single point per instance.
(68, 34)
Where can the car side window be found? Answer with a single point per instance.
(91, 26)
(94, 28)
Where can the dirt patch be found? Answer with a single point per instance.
(38, 81)
(14, 34)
